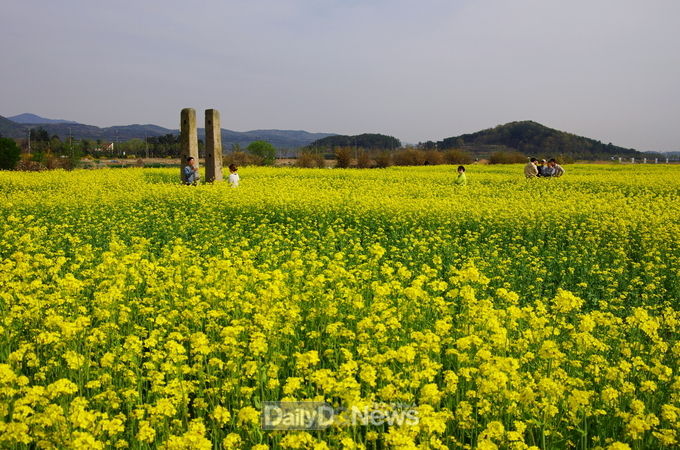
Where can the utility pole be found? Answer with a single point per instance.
(29, 141)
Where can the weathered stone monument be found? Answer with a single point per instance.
(213, 146)
(188, 138)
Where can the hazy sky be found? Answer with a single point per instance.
(418, 70)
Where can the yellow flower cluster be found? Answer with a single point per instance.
(137, 313)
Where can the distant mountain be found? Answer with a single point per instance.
(533, 139)
(366, 140)
(282, 139)
(11, 129)
(32, 118)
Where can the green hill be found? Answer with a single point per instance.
(366, 140)
(534, 139)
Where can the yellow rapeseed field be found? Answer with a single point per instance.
(509, 313)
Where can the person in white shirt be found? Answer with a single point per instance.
(233, 175)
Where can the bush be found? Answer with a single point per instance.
(507, 157)
(364, 160)
(310, 160)
(28, 165)
(241, 159)
(433, 157)
(263, 150)
(9, 154)
(343, 156)
(458, 156)
(53, 162)
(566, 159)
(410, 157)
(383, 159)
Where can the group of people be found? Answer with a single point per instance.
(543, 168)
(191, 176)
(533, 169)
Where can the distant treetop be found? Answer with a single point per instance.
(366, 141)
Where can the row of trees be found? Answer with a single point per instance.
(361, 158)
(51, 152)
(40, 151)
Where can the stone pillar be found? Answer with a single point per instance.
(188, 138)
(213, 146)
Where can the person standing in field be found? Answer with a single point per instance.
(190, 172)
(530, 170)
(233, 175)
(558, 171)
(461, 180)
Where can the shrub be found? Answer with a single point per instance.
(28, 165)
(410, 157)
(383, 159)
(53, 162)
(9, 154)
(458, 156)
(566, 159)
(343, 156)
(310, 160)
(364, 160)
(241, 159)
(433, 157)
(507, 157)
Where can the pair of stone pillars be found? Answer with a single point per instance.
(213, 142)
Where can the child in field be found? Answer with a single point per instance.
(233, 175)
(461, 180)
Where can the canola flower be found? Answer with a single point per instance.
(519, 314)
